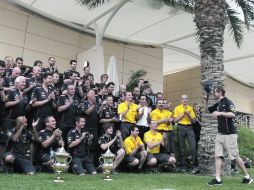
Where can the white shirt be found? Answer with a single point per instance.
(143, 120)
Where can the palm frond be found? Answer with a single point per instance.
(187, 5)
(236, 26)
(133, 80)
(92, 3)
(247, 7)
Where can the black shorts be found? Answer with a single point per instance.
(21, 162)
(79, 165)
(129, 159)
(160, 157)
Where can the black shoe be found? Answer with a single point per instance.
(214, 182)
(247, 181)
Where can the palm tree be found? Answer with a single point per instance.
(211, 18)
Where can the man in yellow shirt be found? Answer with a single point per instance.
(135, 149)
(154, 140)
(163, 117)
(184, 116)
(127, 112)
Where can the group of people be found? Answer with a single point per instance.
(42, 110)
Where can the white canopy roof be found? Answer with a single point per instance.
(137, 21)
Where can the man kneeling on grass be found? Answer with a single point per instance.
(18, 158)
(112, 142)
(79, 143)
(135, 149)
(50, 140)
(154, 140)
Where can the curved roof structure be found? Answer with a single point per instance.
(145, 23)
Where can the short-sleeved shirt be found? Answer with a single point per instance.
(44, 135)
(68, 116)
(66, 74)
(41, 94)
(226, 125)
(153, 137)
(104, 139)
(82, 149)
(108, 113)
(100, 98)
(130, 143)
(20, 108)
(8, 82)
(161, 114)
(180, 110)
(92, 122)
(22, 145)
(131, 114)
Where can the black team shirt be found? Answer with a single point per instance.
(226, 125)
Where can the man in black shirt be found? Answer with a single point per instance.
(79, 143)
(15, 104)
(73, 67)
(74, 80)
(101, 96)
(109, 113)
(52, 67)
(226, 139)
(50, 139)
(18, 155)
(45, 100)
(9, 81)
(112, 142)
(67, 107)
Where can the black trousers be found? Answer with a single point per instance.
(186, 132)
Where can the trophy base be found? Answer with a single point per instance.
(107, 178)
(58, 180)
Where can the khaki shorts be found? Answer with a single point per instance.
(228, 144)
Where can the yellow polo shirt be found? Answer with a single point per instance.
(131, 114)
(180, 110)
(158, 115)
(153, 138)
(130, 143)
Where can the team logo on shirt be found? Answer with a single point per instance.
(43, 94)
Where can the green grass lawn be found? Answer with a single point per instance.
(121, 181)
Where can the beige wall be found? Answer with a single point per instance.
(33, 38)
(188, 82)
(183, 82)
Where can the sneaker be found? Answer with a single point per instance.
(214, 182)
(247, 181)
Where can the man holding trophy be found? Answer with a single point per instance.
(79, 143)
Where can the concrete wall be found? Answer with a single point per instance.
(31, 37)
(188, 82)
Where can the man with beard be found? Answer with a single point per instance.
(52, 67)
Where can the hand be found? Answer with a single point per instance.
(35, 123)
(118, 134)
(216, 114)
(90, 137)
(128, 105)
(170, 119)
(58, 133)
(80, 83)
(32, 101)
(104, 103)
(84, 135)
(115, 119)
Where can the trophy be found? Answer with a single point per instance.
(61, 163)
(107, 162)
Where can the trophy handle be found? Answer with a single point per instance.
(101, 160)
(70, 160)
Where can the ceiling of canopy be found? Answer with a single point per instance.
(147, 23)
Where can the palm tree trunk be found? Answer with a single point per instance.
(210, 18)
